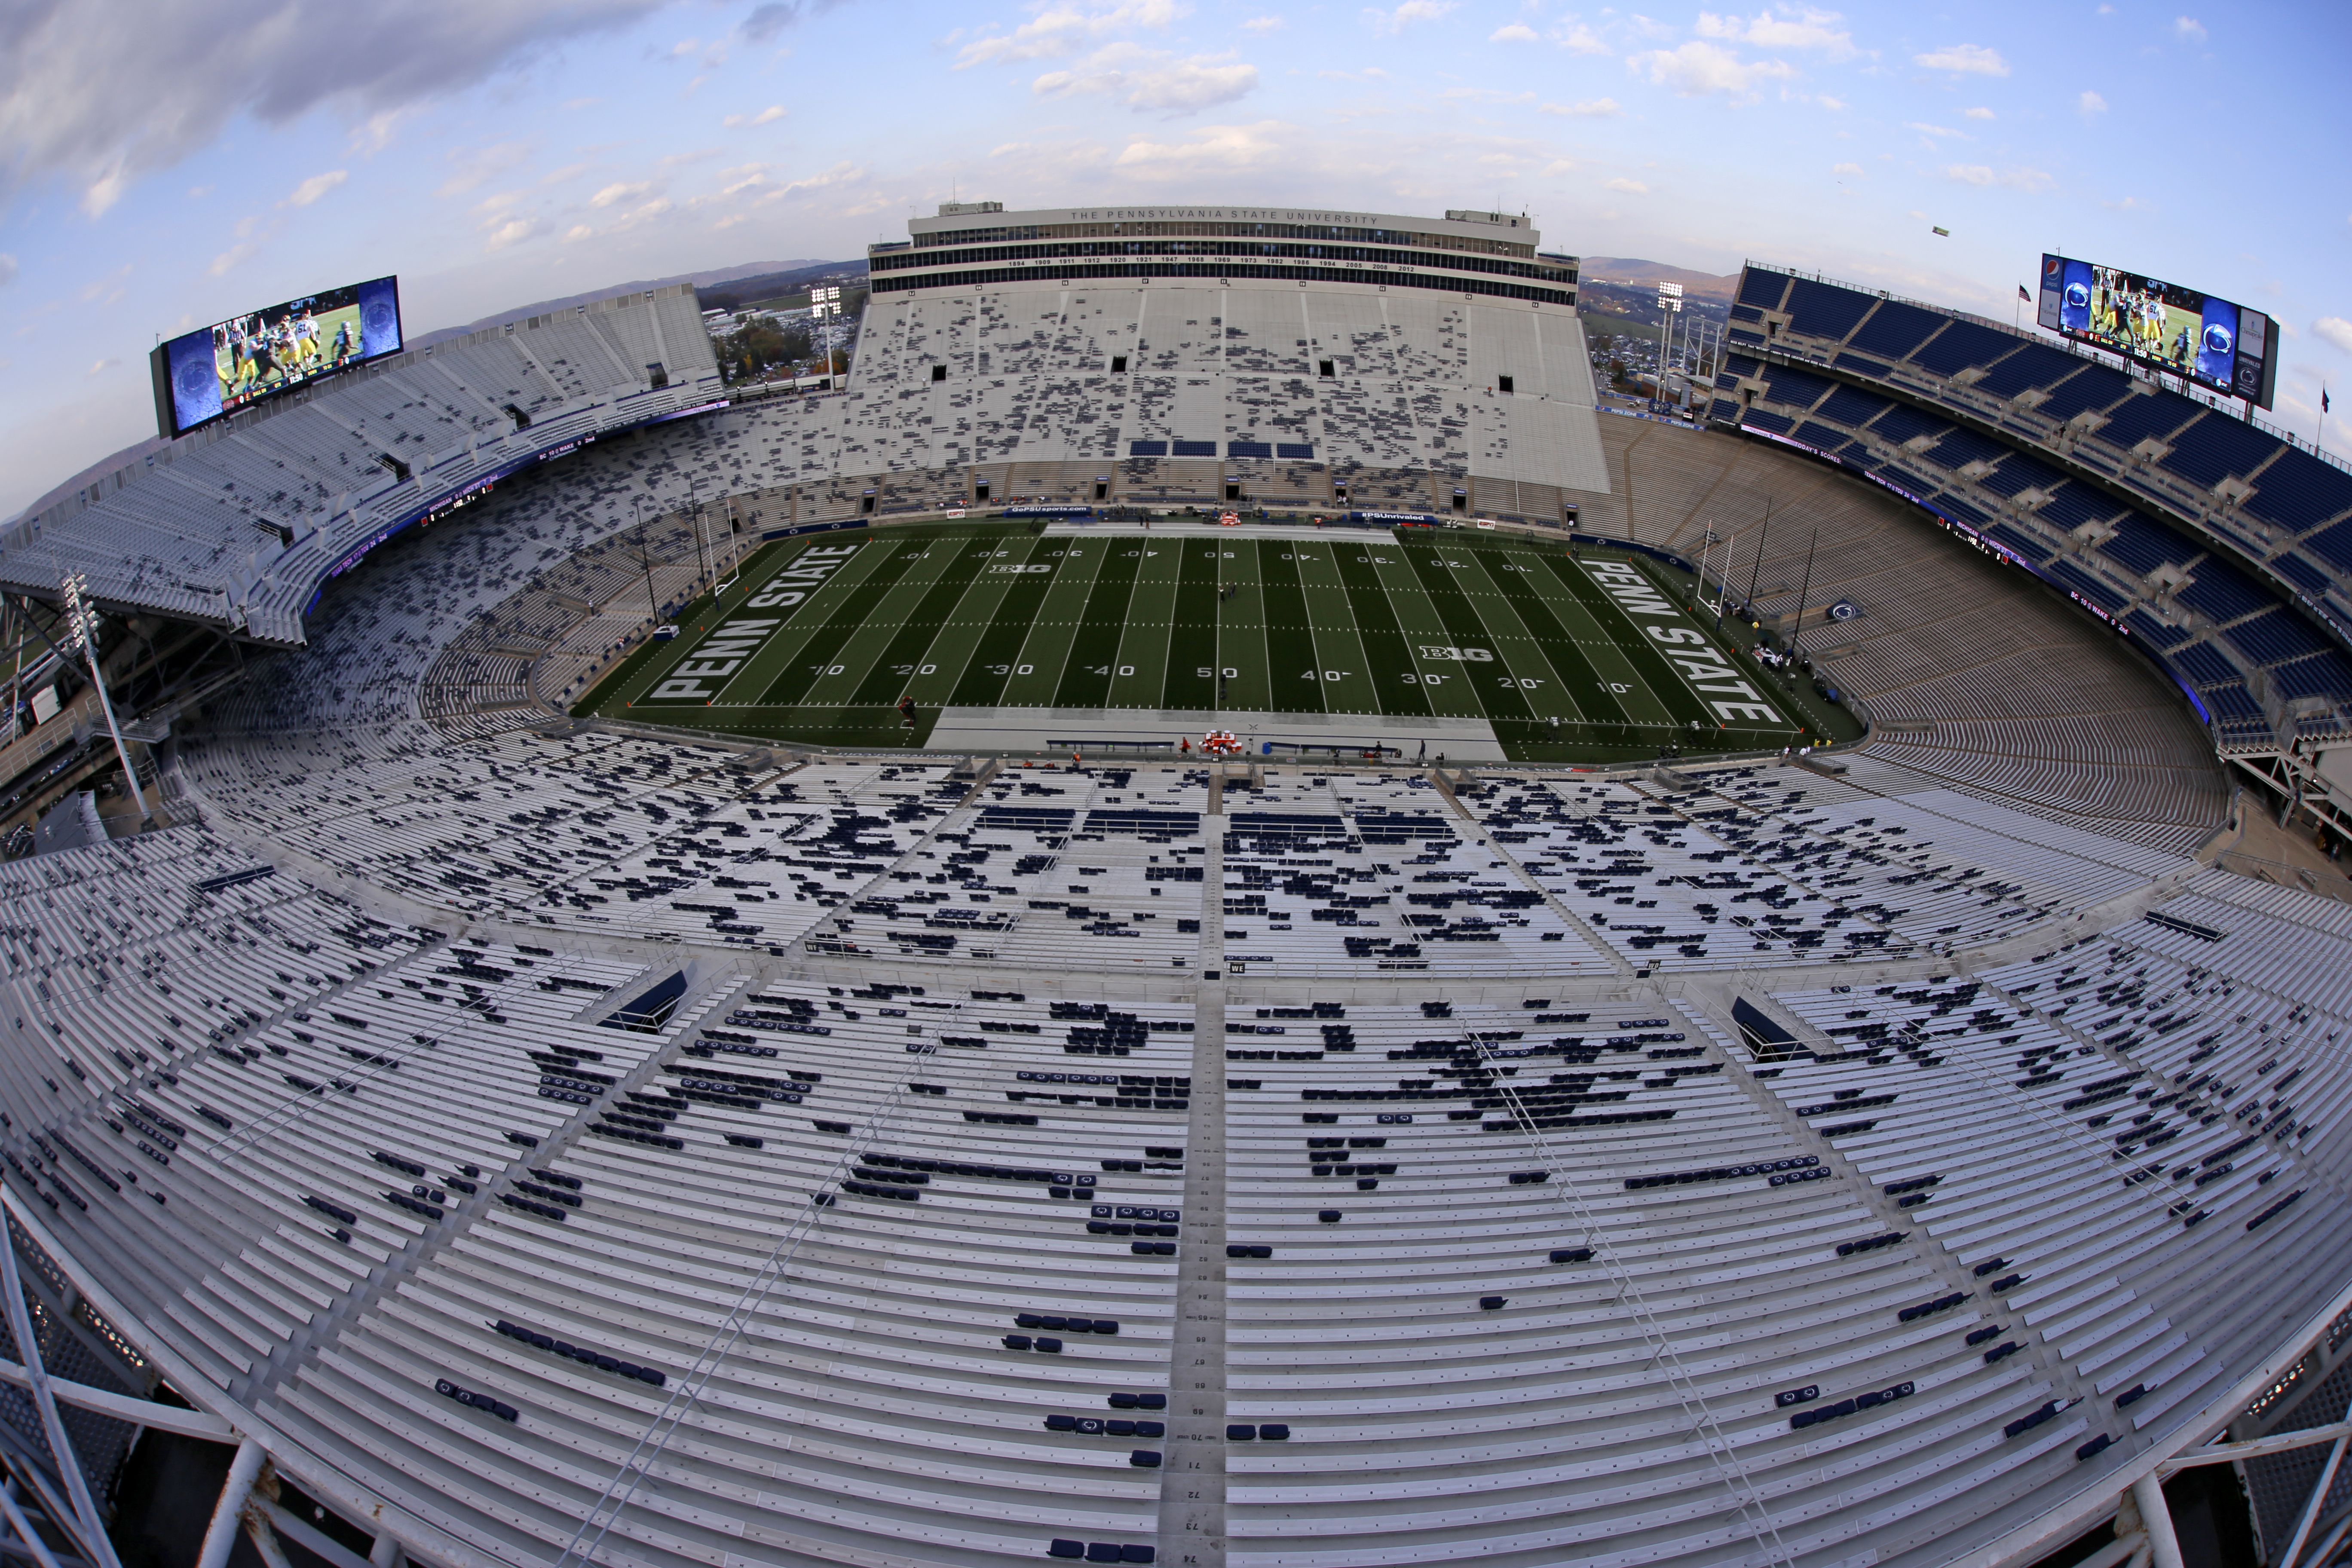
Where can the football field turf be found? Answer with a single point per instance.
(1336, 636)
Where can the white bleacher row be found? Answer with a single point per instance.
(1077, 870)
(228, 1142)
(2133, 1275)
(242, 524)
(871, 1406)
(2253, 1022)
(1430, 1421)
(1833, 871)
(1348, 874)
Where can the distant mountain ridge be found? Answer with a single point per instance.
(1634, 272)
(701, 280)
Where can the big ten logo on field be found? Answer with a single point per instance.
(1687, 646)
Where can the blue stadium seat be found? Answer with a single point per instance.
(1826, 309)
(2155, 632)
(1895, 328)
(2305, 575)
(2333, 545)
(2083, 583)
(1900, 424)
(2205, 665)
(2017, 538)
(1798, 388)
(1853, 408)
(1965, 510)
(2324, 674)
(2091, 386)
(2022, 471)
(1762, 289)
(2275, 637)
(2035, 364)
(2222, 592)
(2143, 545)
(1961, 447)
(1960, 345)
(2299, 491)
(2215, 449)
(2138, 418)
(2077, 504)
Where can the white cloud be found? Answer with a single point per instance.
(1514, 33)
(1803, 29)
(766, 116)
(2019, 179)
(2334, 332)
(1152, 78)
(1213, 150)
(1486, 95)
(317, 185)
(235, 256)
(104, 364)
(478, 166)
(1584, 109)
(2191, 29)
(1631, 188)
(1964, 59)
(1060, 29)
(514, 231)
(1580, 39)
(2091, 103)
(176, 73)
(1407, 14)
(766, 21)
(612, 196)
(1262, 25)
(578, 232)
(1831, 104)
(1926, 129)
(7, 269)
(1854, 169)
(1979, 113)
(1700, 68)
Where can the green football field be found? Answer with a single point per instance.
(1592, 657)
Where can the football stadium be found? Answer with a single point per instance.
(1211, 911)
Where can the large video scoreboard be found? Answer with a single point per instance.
(2231, 348)
(215, 370)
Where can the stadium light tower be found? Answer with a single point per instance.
(82, 632)
(1670, 305)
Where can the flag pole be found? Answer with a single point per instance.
(1797, 634)
(1760, 543)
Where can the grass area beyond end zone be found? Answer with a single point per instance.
(1586, 657)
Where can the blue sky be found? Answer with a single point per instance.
(165, 164)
